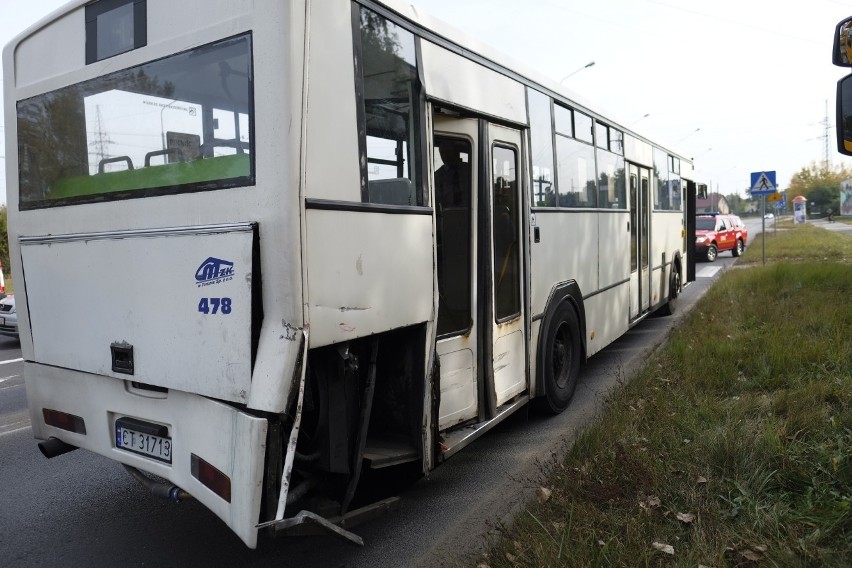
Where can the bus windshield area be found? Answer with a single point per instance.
(178, 124)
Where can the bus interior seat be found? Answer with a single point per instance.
(126, 159)
(174, 154)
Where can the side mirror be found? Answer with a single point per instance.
(844, 116)
(841, 54)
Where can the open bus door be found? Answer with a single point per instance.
(481, 331)
(689, 238)
(640, 216)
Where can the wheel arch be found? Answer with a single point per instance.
(568, 291)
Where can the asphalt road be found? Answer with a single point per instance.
(80, 509)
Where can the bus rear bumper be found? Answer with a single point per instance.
(199, 430)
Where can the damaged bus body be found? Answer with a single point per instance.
(301, 241)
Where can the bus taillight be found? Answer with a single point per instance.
(211, 478)
(64, 420)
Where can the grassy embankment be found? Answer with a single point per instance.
(733, 447)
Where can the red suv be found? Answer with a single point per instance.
(715, 233)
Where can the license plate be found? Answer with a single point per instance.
(144, 438)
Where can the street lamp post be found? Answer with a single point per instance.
(586, 66)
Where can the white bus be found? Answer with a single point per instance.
(266, 248)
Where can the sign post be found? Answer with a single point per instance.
(776, 199)
(763, 184)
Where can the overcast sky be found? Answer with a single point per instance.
(739, 85)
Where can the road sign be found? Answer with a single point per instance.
(774, 197)
(763, 183)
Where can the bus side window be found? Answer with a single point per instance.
(507, 302)
(390, 95)
(452, 203)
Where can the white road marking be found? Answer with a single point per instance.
(26, 424)
(18, 360)
(708, 272)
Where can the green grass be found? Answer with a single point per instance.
(742, 420)
(808, 242)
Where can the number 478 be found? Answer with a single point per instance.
(214, 305)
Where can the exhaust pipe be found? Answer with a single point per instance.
(165, 491)
(53, 447)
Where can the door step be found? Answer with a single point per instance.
(387, 452)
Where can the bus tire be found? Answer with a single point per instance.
(560, 360)
(670, 307)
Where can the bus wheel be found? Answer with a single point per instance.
(560, 360)
(674, 291)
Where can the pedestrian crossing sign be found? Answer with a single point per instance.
(763, 183)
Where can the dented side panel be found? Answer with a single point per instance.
(368, 273)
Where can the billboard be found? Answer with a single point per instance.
(846, 197)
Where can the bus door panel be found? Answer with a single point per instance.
(645, 237)
(508, 354)
(455, 167)
(638, 184)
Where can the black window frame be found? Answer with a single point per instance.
(418, 169)
(464, 144)
(173, 189)
(674, 165)
(514, 220)
(96, 9)
(616, 138)
(538, 132)
(580, 133)
(601, 135)
(567, 114)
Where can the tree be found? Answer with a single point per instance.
(737, 203)
(820, 185)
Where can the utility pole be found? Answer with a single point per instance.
(102, 141)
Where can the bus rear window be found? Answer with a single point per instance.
(178, 124)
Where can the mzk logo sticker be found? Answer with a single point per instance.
(214, 271)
